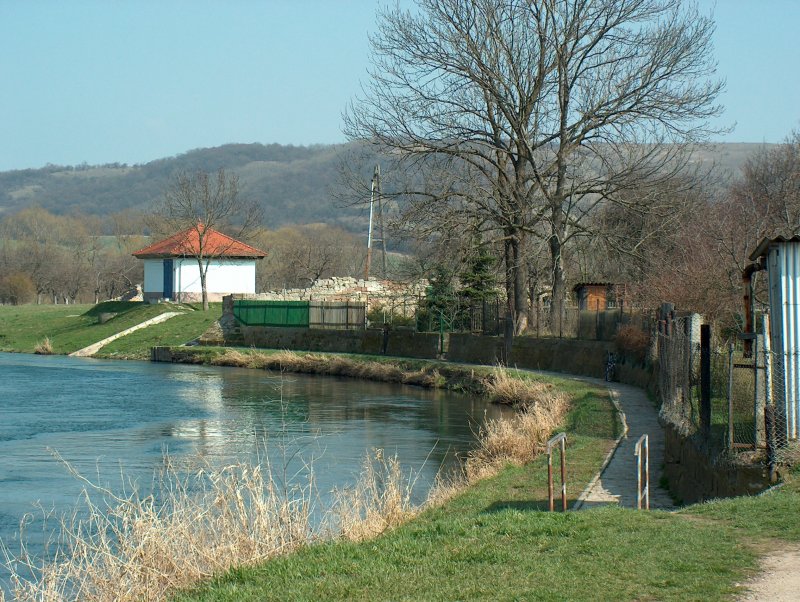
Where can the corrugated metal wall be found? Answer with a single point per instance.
(783, 263)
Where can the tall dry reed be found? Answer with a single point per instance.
(518, 439)
(44, 347)
(142, 546)
(380, 500)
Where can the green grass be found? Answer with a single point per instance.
(72, 327)
(773, 515)
(175, 331)
(495, 542)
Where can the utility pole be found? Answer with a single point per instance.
(376, 192)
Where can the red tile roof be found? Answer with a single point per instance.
(186, 244)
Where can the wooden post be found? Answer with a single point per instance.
(705, 381)
(730, 396)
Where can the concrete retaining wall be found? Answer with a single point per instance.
(586, 358)
(694, 477)
(398, 342)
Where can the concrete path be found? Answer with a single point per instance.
(95, 347)
(616, 483)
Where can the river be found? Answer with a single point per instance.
(109, 418)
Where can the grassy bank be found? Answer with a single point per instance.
(494, 541)
(72, 327)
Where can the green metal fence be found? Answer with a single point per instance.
(302, 314)
(272, 313)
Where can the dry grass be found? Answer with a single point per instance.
(44, 347)
(196, 524)
(331, 365)
(141, 547)
(380, 500)
(520, 438)
(511, 388)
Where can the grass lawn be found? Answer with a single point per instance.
(72, 327)
(175, 331)
(495, 542)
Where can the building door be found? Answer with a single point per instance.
(168, 279)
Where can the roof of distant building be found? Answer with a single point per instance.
(186, 243)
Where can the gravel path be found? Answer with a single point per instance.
(779, 580)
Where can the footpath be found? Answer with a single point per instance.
(616, 483)
(95, 347)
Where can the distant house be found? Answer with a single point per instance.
(171, 270)
(598, 296)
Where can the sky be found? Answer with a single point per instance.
(129, 82)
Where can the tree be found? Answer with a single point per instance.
(198, 203)
(534, 113)
(299, 256)
(478, 279)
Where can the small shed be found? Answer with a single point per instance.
(171, 270)
(599, 296)
(781, 258)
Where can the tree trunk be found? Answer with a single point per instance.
(558, 293)
(509, 263)
(520, 305)
(203, 273)
(515, 281)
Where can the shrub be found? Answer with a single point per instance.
(44, 347)
(633, 342)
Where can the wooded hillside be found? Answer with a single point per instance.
(294, 184)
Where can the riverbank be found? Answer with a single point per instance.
(492, 541)
(72, 327)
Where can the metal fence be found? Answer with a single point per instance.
(748, 412)
(333, 315)
(483, 317)
(600, 325)
(488, 317)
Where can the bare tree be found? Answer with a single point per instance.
(198, 203)
(299, 256)
(534, 113)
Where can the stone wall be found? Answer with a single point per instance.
(400, 297)
(694, 477)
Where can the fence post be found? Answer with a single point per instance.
(705, 381)
(561, 438)
(730, 396)
(643, 442)
(758, 389)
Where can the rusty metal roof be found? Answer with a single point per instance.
(763, 247)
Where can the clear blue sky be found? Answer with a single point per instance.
(102, 81)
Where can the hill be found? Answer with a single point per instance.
(294, 184)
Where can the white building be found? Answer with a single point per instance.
(171, 270)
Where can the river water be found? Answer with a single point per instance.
(109, 418)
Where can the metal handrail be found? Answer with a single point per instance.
(643, 442)
(562, 439)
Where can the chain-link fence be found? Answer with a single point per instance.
(751, 393)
